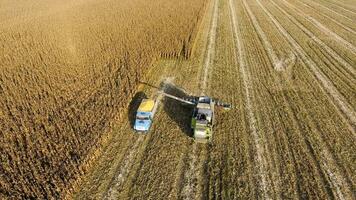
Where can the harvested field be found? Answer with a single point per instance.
(68, 100)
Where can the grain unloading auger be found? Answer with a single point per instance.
(195, 100)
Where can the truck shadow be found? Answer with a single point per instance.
(177, 111)
(133, 106)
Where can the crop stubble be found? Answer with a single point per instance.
(277, 131)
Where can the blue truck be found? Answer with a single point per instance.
(144, 115)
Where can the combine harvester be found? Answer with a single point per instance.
(202, 118)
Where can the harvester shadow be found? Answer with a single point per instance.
(133, 106)
(177, 111)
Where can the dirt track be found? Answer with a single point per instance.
(291, 134)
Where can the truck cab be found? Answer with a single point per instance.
(144, 115)
(203, 119)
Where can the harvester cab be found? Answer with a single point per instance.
(203, 119)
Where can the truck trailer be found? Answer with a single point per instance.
(144, 115)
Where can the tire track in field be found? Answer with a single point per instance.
(128, 161)
(335, 36)
(326, 158)
(330, 18)
(237, 141)
(329, 50)
(211, 49)
(326, 84)
(337, 179)
(341, 7)
(261, 163)
(330, 10)
(278, 64)
(189, 190)
(124, 170)
(323, 28)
